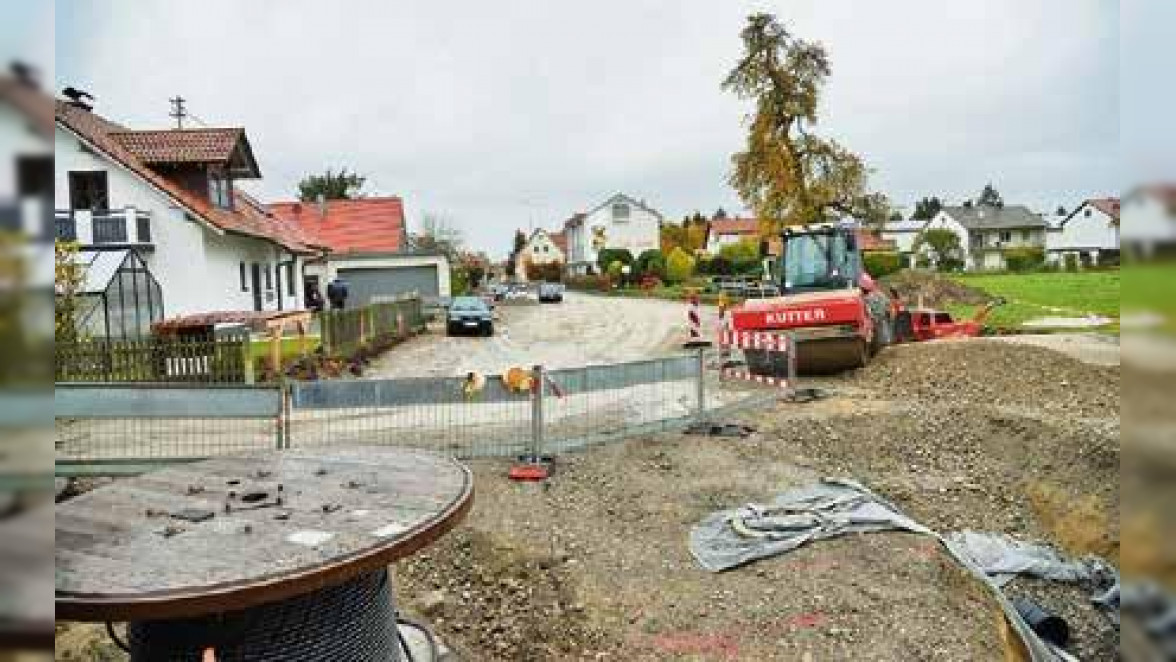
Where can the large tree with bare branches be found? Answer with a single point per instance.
(788, 174)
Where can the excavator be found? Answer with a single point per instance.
(834, 310)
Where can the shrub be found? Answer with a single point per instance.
(1024, 259)
(744, 256)
(679, 266)
(650, 263)
(607, 256)
(589, 283)
(882, 263)
(549, 273)
(1071, 262)
(715, 265)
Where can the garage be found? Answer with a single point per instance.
(381, 283)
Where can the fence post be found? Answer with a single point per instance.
(537, 390)
(700, 414)
(790, 346)
(247, 358)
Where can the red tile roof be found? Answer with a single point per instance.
(180, 145)
(730, 226)
(560, 239)
(363, 225)
(1108, 206)
(30, 102)
(249, 219)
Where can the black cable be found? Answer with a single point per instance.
(114, 637)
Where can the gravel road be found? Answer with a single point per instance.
(583, 330)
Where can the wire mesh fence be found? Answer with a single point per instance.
(120, 428)
(543, 412)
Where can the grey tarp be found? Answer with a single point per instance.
(835, 507)
(827, 509)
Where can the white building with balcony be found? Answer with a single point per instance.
(167, 195)
(621, 222)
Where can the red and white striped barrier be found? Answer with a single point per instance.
(695, 318)
(769, 342)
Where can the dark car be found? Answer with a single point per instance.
(469, 315)
(551, 292)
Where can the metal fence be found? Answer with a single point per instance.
(108, 424)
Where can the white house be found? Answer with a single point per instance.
(370, 250)
(621, 222)
(1090, 233)
(1149, 215)
(541, 249)
(727, 231)
(170, 197)
(987, 232)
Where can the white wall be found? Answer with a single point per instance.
(716, 241)
(1088, 228)
(639, 233)
(1146, 222)
(540, 249)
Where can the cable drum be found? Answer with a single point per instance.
(351, 622)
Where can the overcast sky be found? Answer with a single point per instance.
(514, 114)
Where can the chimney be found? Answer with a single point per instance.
(322, 205)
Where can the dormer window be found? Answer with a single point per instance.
(620, 212)
(220, 189)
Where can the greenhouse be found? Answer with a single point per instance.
(119, 299)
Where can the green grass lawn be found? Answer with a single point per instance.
(1059, 294)
(1151, 288)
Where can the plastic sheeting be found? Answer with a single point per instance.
(835, 507)
(831, 508)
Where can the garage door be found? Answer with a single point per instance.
(368, 284)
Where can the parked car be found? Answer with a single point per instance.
(551, 292)
(469, 315)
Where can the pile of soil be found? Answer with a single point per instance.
(1022, 378)
(933, 290)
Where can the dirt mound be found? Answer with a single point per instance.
(934, 290)
(987, 372)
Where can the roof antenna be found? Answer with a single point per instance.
(178, 111)
(78, 98)
(25, 73)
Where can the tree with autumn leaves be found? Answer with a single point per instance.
(788, 174)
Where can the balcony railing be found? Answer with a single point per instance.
(116, 227)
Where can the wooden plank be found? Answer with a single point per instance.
(371, 505)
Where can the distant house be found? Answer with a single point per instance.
(1150, 212)
(156, 213)
(369, 249)
(1090, 233)
(540, 249)
(904, 235)
(620, 222)
(987, 232)
(727, 231)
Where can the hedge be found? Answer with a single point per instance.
(1024, 259)
(882, 263)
